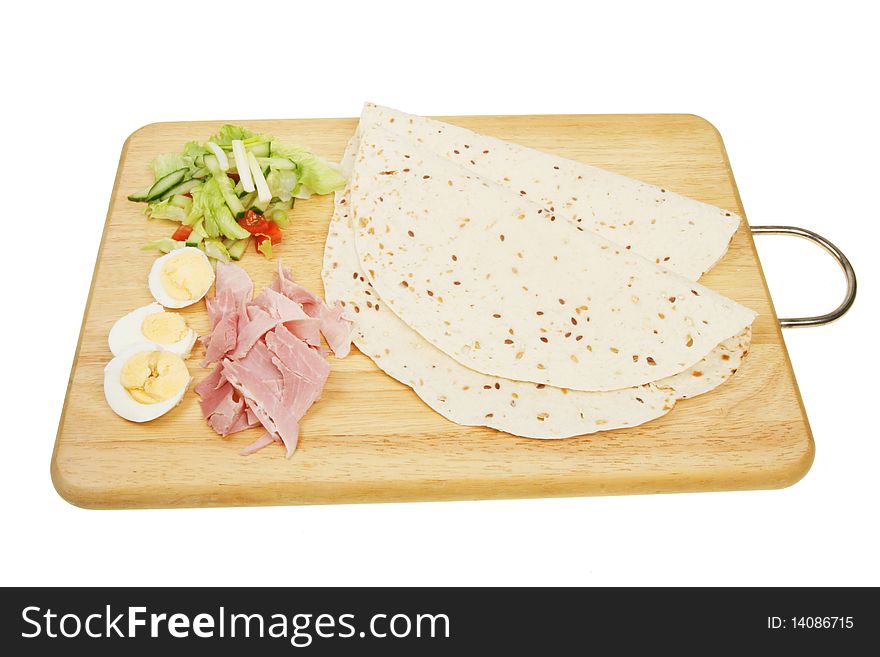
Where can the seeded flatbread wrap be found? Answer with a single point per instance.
(680, 233)
(494, 281)
(468, 397)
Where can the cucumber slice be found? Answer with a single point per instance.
(166, 183)
(183, 188)
(280, 163)
(201, 172)
(140, 197)
(237, 248)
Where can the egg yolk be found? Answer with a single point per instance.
(153, 376)
(187, 275)
(164, 328)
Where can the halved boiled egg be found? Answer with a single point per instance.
(181, 277)
(152, 323)
(145, 381)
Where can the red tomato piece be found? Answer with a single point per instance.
(182, 233)
(273, 232)
(254, 223)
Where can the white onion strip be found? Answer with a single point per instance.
(263, 192)
(241, 163)
(220, 154)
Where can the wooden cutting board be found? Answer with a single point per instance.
(370, 439)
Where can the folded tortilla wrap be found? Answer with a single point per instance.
(683, 234)
(495, 281)
(468, 397)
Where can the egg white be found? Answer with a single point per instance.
(157, 289)
(127, 331)
(121, 402)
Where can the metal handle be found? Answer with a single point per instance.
(842, 260)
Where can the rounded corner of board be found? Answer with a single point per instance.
(69, 491)
(799, 468)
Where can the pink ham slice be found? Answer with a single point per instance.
(280, 378)
(263, 441)
(222, 405)
(223, 339)
(272, 366)
(292, 315)
(232, 289)
(258, 379)
(334, 327)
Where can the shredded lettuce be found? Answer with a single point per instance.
(229, 132)
(282, 184)
(165, 210)
(194, 148)
(316, 175)
(293, 173)
(169, 163)
(216, 249)
(218, 216)
(165, 245)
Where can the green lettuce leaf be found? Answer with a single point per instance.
(168, 163)
(229, 132)
(165, 245)
(164, 210)
(193, 149)
(282, 184)
(315, 175)
(210, 203)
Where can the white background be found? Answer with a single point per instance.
(792, 89)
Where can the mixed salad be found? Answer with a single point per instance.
(233, 189)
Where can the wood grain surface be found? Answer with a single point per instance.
(370, 439)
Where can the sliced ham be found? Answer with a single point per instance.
(263, 441)
(280, 306)
(222, 405)
(253, 324)
(285, 284)
(272, 367)
(308, 330)
(298, 356)
(232, 289)
(223, 339)
(257, 378)
(335, 328)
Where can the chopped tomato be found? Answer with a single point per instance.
(273, 232)
(233, 175)
(254, 223)
(188, 195)
(182, 233)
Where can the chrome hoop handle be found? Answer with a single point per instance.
(838, 255)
